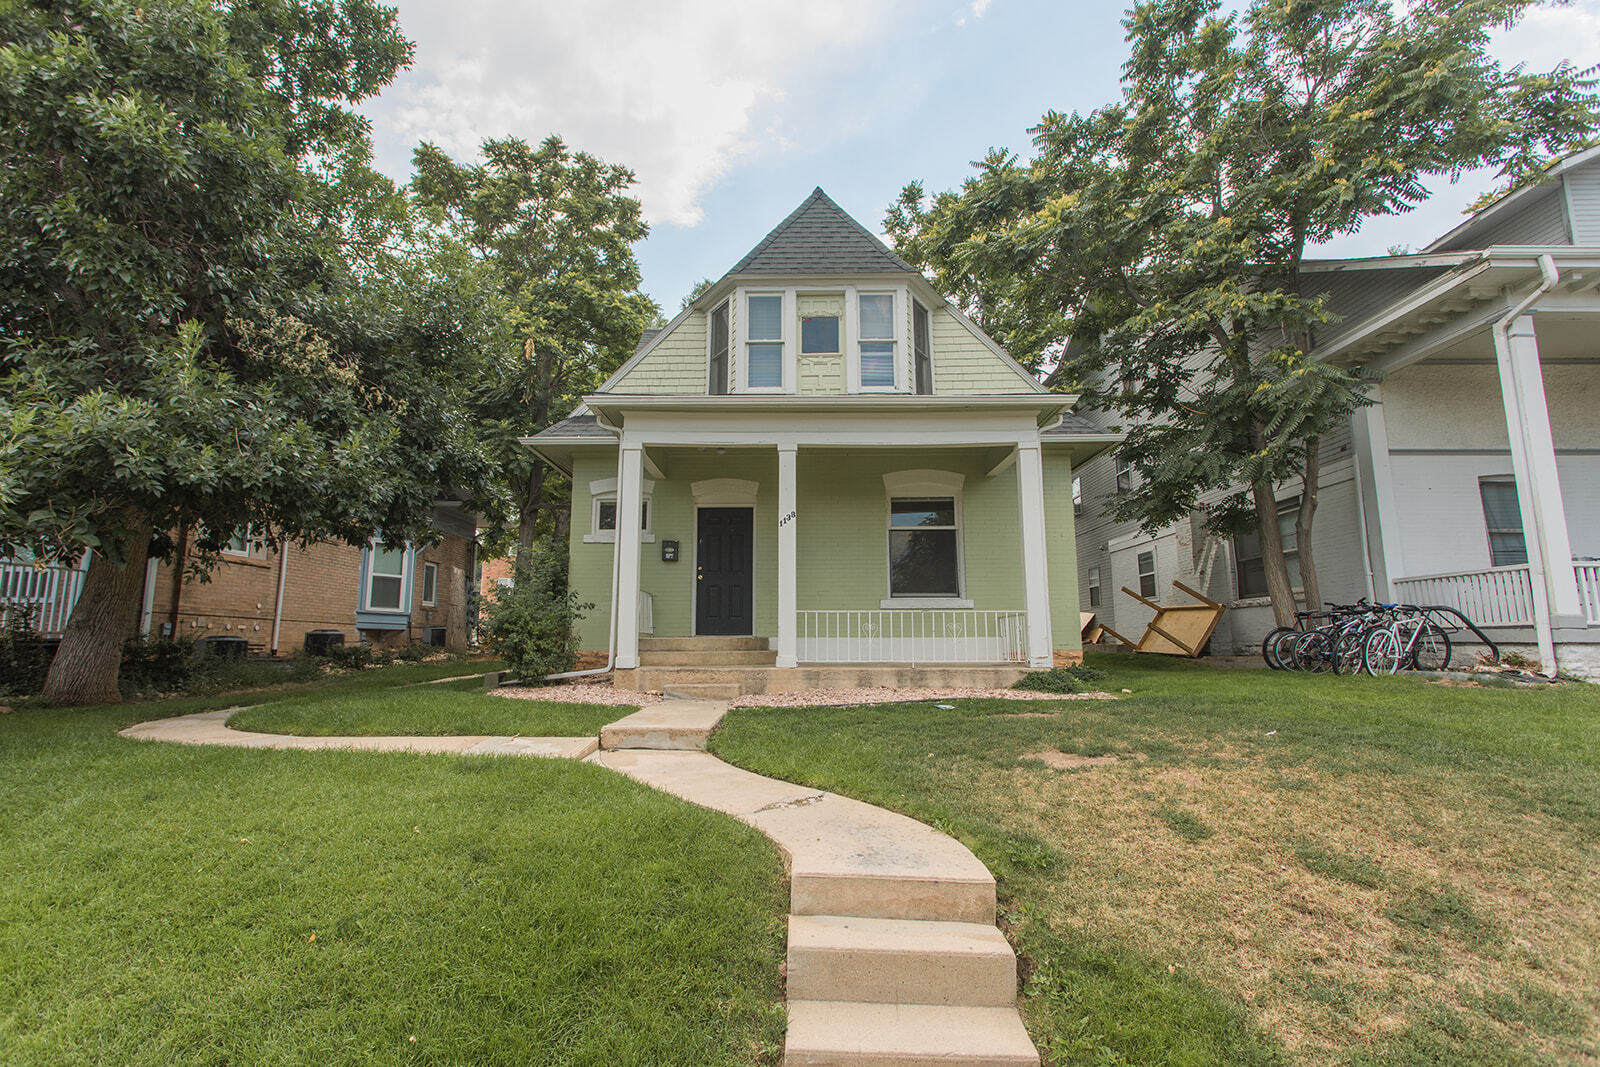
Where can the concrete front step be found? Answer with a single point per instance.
(681, 725)
(722, 691)
(709, 658)
(845, 1034)
(704, 644)
(899, 961)
(844, 676)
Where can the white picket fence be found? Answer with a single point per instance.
(913, 636)
(44, 594)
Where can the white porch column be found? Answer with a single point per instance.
(630, 491)
(1370, 431)
(1035, 570)
(1533, 459)
(788, 522)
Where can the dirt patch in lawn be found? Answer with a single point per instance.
(1342, 911)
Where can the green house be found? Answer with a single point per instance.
(822, 472)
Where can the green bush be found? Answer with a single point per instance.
(531, 624)
(1059, 679)
(24, 656)
(158, 665)
(358, 656)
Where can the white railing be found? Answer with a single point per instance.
(1589, 590)
(1499, 596)
(42, 593)
(913, 636)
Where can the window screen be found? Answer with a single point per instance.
(923, 548)
(877, 340)
(764, 361)
(1502, 516)
(922, 348)
(718, 386)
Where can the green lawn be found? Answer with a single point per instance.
(426, 710)
(172, 904)
(1279, 868)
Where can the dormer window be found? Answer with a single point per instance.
(718, 384)
(763, 333)
(877, 344)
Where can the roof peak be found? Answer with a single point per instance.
(820, 237)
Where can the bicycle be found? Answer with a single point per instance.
(1413, 639)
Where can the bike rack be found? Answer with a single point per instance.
(1494, 649)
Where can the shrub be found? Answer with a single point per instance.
(158, 665)
(1059, 679)
(530, 624)
(354, 657)
(24, 656)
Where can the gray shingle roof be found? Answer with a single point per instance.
(645, 338)
(1074, 425)
(819, 238)
(576, 426)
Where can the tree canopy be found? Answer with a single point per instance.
(212, 311)
(1165, 234)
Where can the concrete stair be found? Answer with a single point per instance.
(704, 644)
(733, 657)
(900, 961)
(702, 690)
(844, 1034)
(672, 725)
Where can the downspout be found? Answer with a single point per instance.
(616, 566)
(1514, 428)
(277, 610)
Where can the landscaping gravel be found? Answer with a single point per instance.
(590, 693)
(805, 698)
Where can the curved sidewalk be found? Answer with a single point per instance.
(211, 728)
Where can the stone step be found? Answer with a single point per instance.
(674, 725)
(845, 1034)
(702, 691)
(704, 644)
(900, 961)
(708, 658)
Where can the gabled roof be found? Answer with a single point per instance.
(819, 238)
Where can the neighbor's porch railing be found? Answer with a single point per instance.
(1589, 590)
(45, 593)
(1499, 596)
(913, 636)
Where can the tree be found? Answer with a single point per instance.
(557, 229)
(1165, 234)
(212, 311)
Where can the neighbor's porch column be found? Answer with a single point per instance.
(788, 522)
(630, 488)
(1035, 572)
(1533, 459)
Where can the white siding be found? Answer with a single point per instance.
(1583, 197)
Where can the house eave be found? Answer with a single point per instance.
(614, 408)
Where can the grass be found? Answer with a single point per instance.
(426, 710)
(173, 904)
(1277, 869)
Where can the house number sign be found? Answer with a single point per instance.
(787, 519)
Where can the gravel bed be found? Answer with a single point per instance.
(591, 693)
(815, 698)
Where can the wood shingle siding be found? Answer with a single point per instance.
(676, 366)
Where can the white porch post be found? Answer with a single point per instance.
(1533, 460)
(630, 489)
(1035, 570)
(1370, 430)
(788, 522)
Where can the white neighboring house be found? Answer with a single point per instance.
(1473, 482)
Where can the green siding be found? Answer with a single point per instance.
(963, 365)
(842, 517)
(676, 366)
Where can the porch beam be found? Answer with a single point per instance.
(1005, 464)
(654, 468)
(1533, 459)
(1035, 568)
(788, 523)
(630, 491)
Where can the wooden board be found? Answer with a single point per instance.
(1179, 629)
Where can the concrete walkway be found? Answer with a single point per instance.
(893, 956)
(211, 728)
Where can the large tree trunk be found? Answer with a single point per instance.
(528, 519)
(1309, 585)
(1273, 564)
(85, 667)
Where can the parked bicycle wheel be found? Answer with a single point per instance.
(1381, 653)
(1431, 652)
(1313, 652)
(1283, 649)
(1347, 649)
(1269, 646)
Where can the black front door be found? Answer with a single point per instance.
(723, 597)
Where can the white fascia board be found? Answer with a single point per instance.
(876, 403)
(1407, 262)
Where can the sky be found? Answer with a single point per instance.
(731, 111)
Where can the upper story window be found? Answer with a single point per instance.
(922, 348)
(877, 342)
(1077, 496)
(246, 541)
(763, 332)
(1147, 574)
(1125, 474)
(718, 384)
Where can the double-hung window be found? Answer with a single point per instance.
(718, 384)
(1502, 517)
(763, 336)
(1077, 496)
(1147, 574)
(1124, 475)
(386, 577)
(924, 547)
(1094, 587)
(430, 584)
(1252, 575)
(922, 348)
(877, 340)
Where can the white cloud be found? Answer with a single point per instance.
(979, 7)
(1549, 34)
(675, 89)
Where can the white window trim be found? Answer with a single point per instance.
(742, 343)
(605, 490)
(405, 577)
(711, 338)
(901, 316)
(427, 601)
(925, 483)
(255, 545)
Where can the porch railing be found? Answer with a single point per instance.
(1589, 590)
(44, 594)
(1498, 596)
(913, 636)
